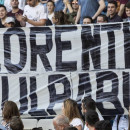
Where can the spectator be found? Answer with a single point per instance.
(15, 10)
(113, 16)
(91, 117)
(16, 123)
(60, 122)
(70, 128)
(88, 104)
(3, 15)
(10, 109)
(34, 14)
(9, 22)
(59, 18)
(50, 8)
(87, 20)
(103, 125)
(90, 8)
(70, 109)
(72, 9)
(121, 122)
(127, 10)
(102, 18)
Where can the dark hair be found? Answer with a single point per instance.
(104, 17)
(103, 125)
(91, 117)
(88, 17)
(127, 4)
(10, 109)
(113, 2)
(70, 128)
(62, 18)
(16, 123)
(2, 6)
(89, 104)
(51, 2)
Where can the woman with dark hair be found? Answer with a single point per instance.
(70, 109)
(10, 109)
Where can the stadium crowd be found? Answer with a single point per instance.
(70, 118)
(29, 13)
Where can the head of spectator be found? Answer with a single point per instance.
(3, 13)
(103, 125)
(127, 9)
(91, 117)
(9, 22)
(88, 104)
(60, 122)
(14, 4)
(87, 20)
(50, 6)
(102, 18)
(75, 5)
(10, 109)
(59, 18)
(112, 8)
(70, 109)
(70, 128)
(32, 3)
(16, 123)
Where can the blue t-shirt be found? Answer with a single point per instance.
(59, 5)
(88, 8)
(2, 2)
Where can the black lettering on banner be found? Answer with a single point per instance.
(23, 95)
(111, 43)
(126, 89)
(57, 98)
(126, 31)
(15, 68)
(61, 46)
(34, 111)
(40, 50)
(84, 86)
(108, 96)
(91, 44)
(5, 90)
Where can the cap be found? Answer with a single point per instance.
(10, 20)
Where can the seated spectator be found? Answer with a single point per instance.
(121, 122)
(103, 125)
(70, 128)
(3, 15)
(127, 10)
(59, 18)
(34, 14)
(87, 20)
(10, 109)
(60, 122)
(72, 9)
(15, 10)
(91, 117)
(16, 123)
(113, 16)
(50, 8)
(10, 22)
(102, 18)
(70, 109)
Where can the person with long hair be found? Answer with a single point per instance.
(10, 109)
(70, 109)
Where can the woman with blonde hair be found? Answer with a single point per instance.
(10, 109)
(70, 109)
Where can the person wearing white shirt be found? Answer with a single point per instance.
(34, 14)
